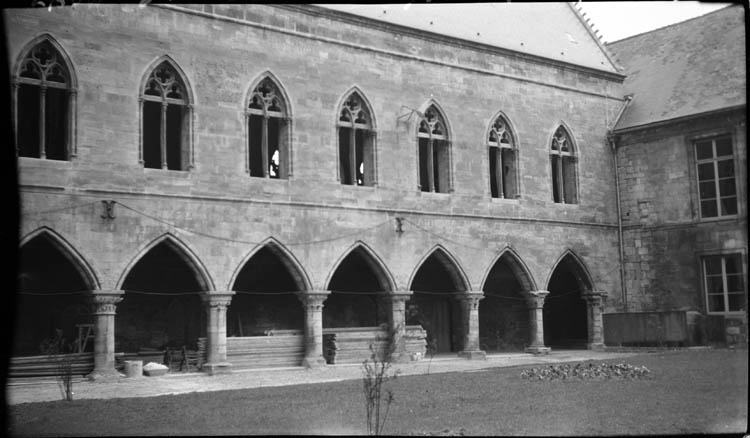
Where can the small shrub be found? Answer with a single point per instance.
(57, 348)
(589, 371)
(375, 371)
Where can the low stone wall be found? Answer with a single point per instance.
(646, 328)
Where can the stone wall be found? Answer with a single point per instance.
(221, 216)
(664, 235)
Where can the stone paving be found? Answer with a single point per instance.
(38, 390)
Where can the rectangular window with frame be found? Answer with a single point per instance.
(717, 190)
(723, 283)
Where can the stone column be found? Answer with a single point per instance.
(535, 301)
(397, 323)
(104, 304)
(312, 301)
(594, 312)
(216, 311)
(469, 302)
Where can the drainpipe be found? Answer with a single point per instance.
(613, 144)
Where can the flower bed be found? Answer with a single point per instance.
(587, 371)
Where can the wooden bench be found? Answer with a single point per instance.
(46, 366)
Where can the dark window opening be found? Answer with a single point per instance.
(256, 144)
(563, 161)
(28, 121)
(494, 186)
(152, 135)
(716, 177)
(274, 134)
(344, 156)
(359, 156)
(556, 179)
(56, 119)
(174, 137)
(424, 175)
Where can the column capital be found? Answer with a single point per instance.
(217, 299)
(401, 295)
(469, 298)
(594, 297)
(313, 298)
(104, 302)
(535, 298)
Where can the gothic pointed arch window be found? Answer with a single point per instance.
(44, 103)
(434, 152)
(356, 137)
(166, 120)
(267, 120)
(503, 159)
(563, 160)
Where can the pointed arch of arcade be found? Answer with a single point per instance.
(566, 311)
(162, 308)
(437, 282)
(449, 262)
(504, 320)
(376, 264)
(54, 283)
(291, 263)
(182, 250)
(77, 260)
(360, 285)
(267, 284)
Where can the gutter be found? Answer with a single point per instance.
(613, 144)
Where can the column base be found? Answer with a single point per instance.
(537, 350)
(596, 346)
(473, 355)
(103, 376)
(217, 368)
(314, 362)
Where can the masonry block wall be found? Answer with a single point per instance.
(222, 215)
(664, 234)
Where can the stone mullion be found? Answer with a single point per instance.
(430, 164)
(535, 301)
(247, 143)
(312, 301)
(104, 304)
(216, 311)
(353, 153)
(42, 121)
(189, 137)
(163, 135)
(141, 101)
(264, 145)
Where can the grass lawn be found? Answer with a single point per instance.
(701, 391)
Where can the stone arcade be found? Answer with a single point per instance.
(284, 182)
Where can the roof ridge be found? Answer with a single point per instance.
(673, 24)
(589, 26)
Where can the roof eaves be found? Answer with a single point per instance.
(660, 123)
(596, 37)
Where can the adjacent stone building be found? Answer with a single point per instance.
(280, 175)
(682, 170)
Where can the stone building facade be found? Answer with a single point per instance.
(239, 170)
(682, 165)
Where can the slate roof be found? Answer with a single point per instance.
(684, 69)
(550, 30)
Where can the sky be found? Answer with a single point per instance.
(618, 20)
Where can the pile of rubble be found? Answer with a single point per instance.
(587, 371)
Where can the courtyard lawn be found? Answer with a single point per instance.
(689, 391)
